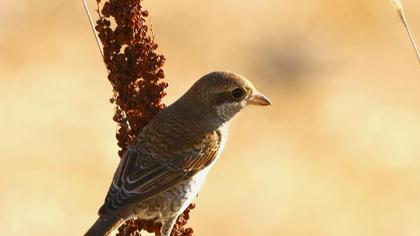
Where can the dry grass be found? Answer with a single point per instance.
(400, 10)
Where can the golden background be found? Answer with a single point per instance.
(337, 154)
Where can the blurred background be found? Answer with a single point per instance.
(338, 153)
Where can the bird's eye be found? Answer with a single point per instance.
(238, 93)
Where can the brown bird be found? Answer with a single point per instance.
(163, 170)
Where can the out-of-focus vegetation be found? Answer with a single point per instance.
(337, 154)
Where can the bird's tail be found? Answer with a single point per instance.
(104, 225)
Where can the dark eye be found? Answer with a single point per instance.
(238, 93)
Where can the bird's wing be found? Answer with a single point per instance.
(140, 176)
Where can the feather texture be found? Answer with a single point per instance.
(141, 175)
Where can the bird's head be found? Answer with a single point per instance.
(219, 96)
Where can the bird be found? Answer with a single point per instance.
(163, 169)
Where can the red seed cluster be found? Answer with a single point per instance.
(135, 72)
(179, 228)
(135, 69)
(134, 227)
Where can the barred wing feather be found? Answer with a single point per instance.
(141, 176)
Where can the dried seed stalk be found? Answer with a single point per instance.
(400, 10)
(136, 74)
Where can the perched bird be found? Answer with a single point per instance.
(163, 170)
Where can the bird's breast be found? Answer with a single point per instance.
(192, 186)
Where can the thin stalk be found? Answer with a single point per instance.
(98, 42)
(92, 26)
(400, 10)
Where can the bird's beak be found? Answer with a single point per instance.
(259, 100)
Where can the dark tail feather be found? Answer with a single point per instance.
(104, 225)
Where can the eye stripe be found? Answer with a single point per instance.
(228, 96)
(223, 98)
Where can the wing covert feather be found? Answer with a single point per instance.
(141, 176)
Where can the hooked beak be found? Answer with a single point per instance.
(259, 100)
